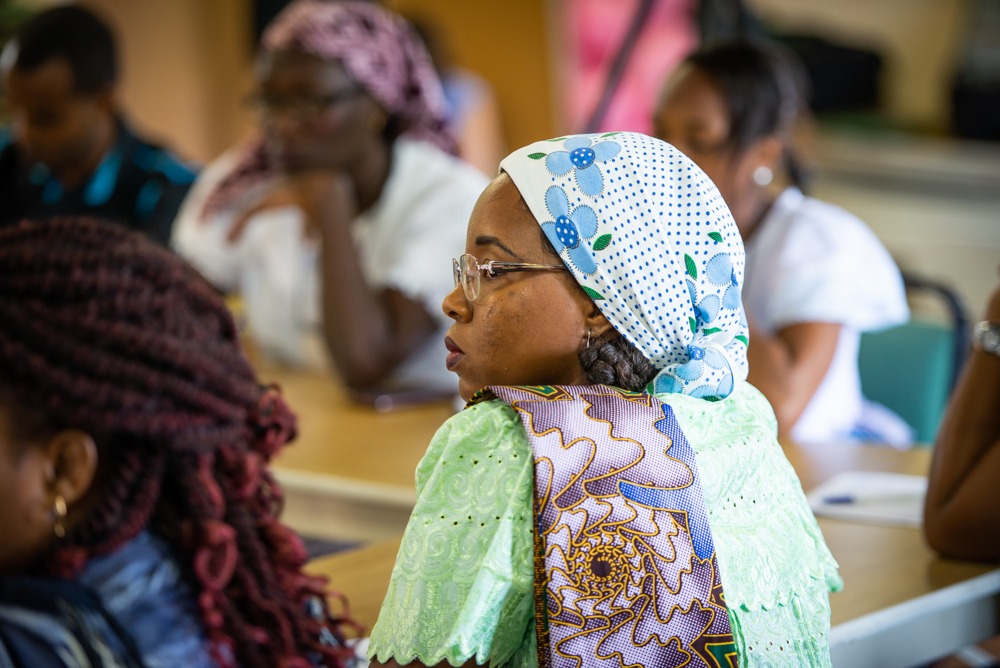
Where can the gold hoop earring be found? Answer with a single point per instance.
(59, 511)
(588, 338)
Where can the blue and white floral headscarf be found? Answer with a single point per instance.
(649, 238)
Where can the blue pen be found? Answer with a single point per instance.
(846, 499)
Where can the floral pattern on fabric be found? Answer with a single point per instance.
(628, 556)
(719, 271)
(711, 348)
(666, 262)
(581, 157)
(707, 364)
(571, 229)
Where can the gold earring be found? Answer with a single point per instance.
(59, 510)
(588, 338)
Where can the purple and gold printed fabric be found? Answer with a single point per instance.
(626, 573)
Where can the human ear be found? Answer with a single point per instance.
(597, 324)
(72, 464)
(105, 100)
(378, 119)
(766, 152)
(594, 321)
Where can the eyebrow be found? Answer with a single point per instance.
(493, 241)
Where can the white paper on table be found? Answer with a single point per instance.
(360, 647)
(894, 499)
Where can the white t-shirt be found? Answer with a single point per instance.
(405, 241)
(810, 261)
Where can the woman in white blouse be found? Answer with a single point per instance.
(816, 276)
(338, 223)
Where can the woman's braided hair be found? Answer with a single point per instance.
(103, 331)
(611, 360)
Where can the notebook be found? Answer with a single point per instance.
(893, 499)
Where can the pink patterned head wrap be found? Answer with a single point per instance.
(380, 51)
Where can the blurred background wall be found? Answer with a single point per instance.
(920, 39)
(187, 63)
(935, 201)
(507, 44)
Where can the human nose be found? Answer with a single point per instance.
(16, 126)
(456, 306)
(283, 123)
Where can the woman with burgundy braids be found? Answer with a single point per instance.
(139, 521)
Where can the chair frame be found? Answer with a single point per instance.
(959, 319)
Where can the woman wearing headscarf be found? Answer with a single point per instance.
(339, 215)
(816, 275)
(614, 493)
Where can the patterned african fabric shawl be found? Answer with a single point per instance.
(625, 567)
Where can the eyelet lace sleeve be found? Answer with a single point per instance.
(776, 568)
(462, 583)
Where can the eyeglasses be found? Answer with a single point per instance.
(304, 107)
(468, 272)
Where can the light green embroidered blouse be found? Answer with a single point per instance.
(462, 584)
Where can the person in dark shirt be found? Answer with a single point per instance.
(68, 150)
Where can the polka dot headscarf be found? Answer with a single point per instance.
(649, 238)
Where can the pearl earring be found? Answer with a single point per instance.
(763, 176)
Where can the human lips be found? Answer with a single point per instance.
(292, 159)
(289, 155)
(455, 353)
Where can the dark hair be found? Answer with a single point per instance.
(612, 360)
(763, 86)
(102, 330)
(76, 35)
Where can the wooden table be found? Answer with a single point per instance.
(349, 474)
(338, 436)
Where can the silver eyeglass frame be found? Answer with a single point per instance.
(492, 268)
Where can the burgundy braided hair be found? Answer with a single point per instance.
(103, 331)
